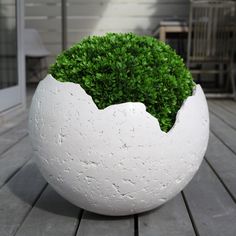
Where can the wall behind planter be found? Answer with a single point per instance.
(87, 17)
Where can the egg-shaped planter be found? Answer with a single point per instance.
(114, 161)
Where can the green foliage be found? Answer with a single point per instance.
(118, 68)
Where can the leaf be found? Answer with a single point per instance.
(118, 68)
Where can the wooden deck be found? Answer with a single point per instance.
(206, 207)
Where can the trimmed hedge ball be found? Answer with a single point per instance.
(119, 68)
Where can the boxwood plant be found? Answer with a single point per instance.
(118, 68)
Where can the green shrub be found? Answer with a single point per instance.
(118, 68)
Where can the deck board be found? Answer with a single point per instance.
(92, 224)
(12, 122)
(224, 132)
(52, 216)
(171, 219)
(12, 136)
(212, 209)
(17, 198)
(227, 105)
(223, 161)
(225, 115)
(14, 159)
(28, 206)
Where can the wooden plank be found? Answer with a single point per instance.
(50, 37)
(7, 37)
(128, 9)
(8, 2)
(92, 224)
(228, 105)
(7, 124)
(212, 209)
(102, 23)
(125, 1)
(170, 219)
(107, 9)
(17, 198)
(11, 137)
(223, 114)
(14, 159)
(8, 10)
(52, 215)
(42, 2)
(223, 131)
(11, 23)
(8, 49)
(35, 10)
(43, 24)
(104, 1)
(223, 161)
(54, 49)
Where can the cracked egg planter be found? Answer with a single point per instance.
(114, 161)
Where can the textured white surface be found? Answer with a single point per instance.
(114, 161)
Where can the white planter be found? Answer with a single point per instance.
(114, 161)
